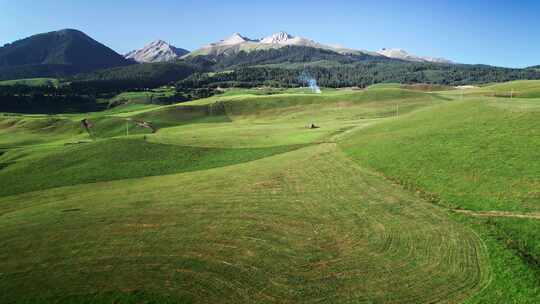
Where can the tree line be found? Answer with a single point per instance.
(359, 75)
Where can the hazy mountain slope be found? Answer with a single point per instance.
(38, 70)
(148, 74)
(67, 46)
(404, 55)
(56, 53)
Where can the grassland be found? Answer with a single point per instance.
(36, 82)
(278, 232)
(118, 159)
(235, 200)
(143, 97)
(474, 154)
(521, 89)
(512, 89)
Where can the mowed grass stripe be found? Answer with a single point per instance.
(303, 226)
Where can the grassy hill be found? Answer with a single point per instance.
(235, 200)
(474, 154)
(477, 156)
(33, 82)
(512, 89)
(122, 158)
(521, 89)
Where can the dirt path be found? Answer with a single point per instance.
(500, 214)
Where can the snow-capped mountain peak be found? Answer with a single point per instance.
(394, 53)
(235, 38)
(279, 38)
(156, 51)
(237, 43)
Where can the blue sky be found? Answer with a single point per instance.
(492, 32)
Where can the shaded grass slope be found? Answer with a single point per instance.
(117, 159)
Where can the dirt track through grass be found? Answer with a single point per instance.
(500, 214)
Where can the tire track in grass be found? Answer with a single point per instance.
(532, 215)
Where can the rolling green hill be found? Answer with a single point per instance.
(477, 156)
(33, 82)
(521, 89)
(529, 89)
(399, 195)
(487, 153)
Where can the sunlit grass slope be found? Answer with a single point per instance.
(28, 130)
(304, 226)
(235, 200)
(36, 82)
(521, 89)
(283, 119)
(512, 89)
(472, 153)
(480, 154)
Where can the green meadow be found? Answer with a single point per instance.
(34, 82)
(400, 194)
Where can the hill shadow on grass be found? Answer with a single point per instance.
(119, 159)
(131, 297)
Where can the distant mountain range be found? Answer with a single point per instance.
(160, 51)
(238, 43)
(68, 52)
